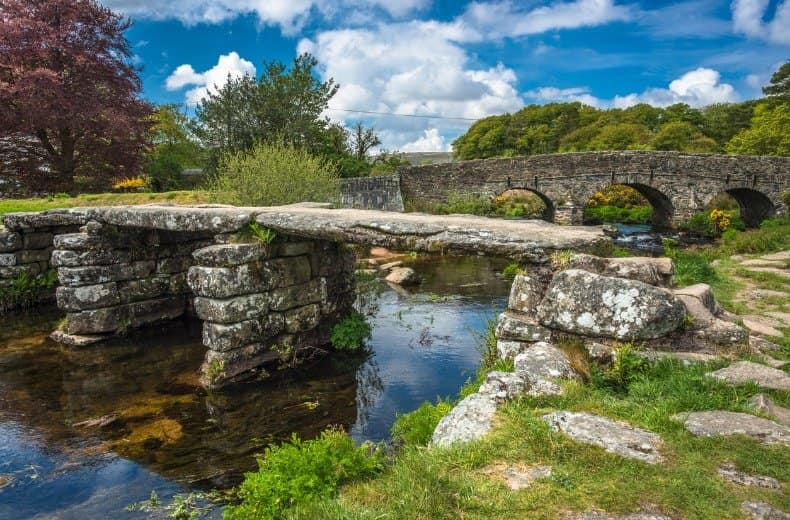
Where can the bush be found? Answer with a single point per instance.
(301, 472)
(273, 174)
(351, 333)
(416, 428)
(511, 271)
(633, 215)
(164, 172)
(466, 204)
(713, 223)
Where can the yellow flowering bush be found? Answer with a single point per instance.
(129, 184)
(720, 220)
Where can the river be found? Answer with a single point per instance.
(85, 433)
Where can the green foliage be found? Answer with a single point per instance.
(778, 89)
(272, 174)
(163, 171)
(626, 368)
(301, 472)
(351, 333)
(26, 290)
(690, 267)
(416, 428)
(466, 204)
(518, 204)
(703, 224)
(255, 231)
(773, 235)
(512, 270)
(599, 214)
(767, 135)
(486, 344)
(682, 136)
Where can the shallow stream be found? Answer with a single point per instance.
(84, 433)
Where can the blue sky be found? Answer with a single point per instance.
(457, 61)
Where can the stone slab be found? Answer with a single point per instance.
(744, 372)
(731, 473)
(763, 511)
(613, 436)
(764, 404)
(719, 422)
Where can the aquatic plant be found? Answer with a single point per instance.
(26, 289)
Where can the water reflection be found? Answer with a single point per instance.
(89, 431)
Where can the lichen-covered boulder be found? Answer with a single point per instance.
(503, 386)
(526, 293)
(513, 326)
(544, 361)
(584, 303)
(652, 271)
(471, 419)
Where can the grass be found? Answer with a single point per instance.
(102, 199)
(450, 483)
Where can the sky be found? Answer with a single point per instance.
(452, 62)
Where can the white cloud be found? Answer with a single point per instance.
(289, 15)
(697, 88)
(185, 75)
(553, 94)
(431, 141)
(410, 68)
(747, 18)
(505, 18)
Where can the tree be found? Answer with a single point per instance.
(68, 89)
(362, 140)
(283, 104)
(683, 137)
(768, 134)
(779, 87)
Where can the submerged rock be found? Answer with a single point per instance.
(613, 436)
(403, 276)
(587, 304)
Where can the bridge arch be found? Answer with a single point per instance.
(550, 207)
(755, 205)
(663, 209)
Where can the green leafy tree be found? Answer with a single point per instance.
(778, 90)
(683, 137)
(173, 148)
(283, 104)
(768, 134)
(723, 120)
(620, 136)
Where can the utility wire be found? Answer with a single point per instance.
(393, 114)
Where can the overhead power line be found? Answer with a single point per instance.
(393, 114)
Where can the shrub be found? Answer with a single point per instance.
(272, 174)
(633, 215)
(129, 184)
(626, 368)
(511, 270)
(714, 222)
(301, 472)
(466, 204)
(351, 333)
(164, 172)
(518, 204)
(416, 428)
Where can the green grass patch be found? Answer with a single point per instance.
(102, 199)
(416, 428)
(450, 483)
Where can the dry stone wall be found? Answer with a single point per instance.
(268, 303)
(380, 192)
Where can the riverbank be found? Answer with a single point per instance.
(557, 477)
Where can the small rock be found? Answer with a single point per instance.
(744, 372)
(75, 340)
(526, 293)
(730, 472)
(518, 477)
(6, 480)
(596, 515)
(543, 388)
(390, 266)
(520, 327)
(763, 403)
(403, 276)
(380, 252)
(719, 422)
(503, 386)
(600, 353)
(762, 326)
(763, 511)
(783, 317)
(771, 362)
(722, 333)
(613, 436)
(469, 420)
(544, 361)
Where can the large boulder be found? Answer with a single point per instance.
(652, 271)
(470, 420)
(584, 303)
(544, 361)
(526, 293)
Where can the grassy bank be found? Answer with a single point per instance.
(633, 215)
(102, 199)
(467, 481)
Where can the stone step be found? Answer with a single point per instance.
(744, 372)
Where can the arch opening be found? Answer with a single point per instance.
(630, 203)
(524, 202)
(754, 206)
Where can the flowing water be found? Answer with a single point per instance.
(86, 432)
(645, 240)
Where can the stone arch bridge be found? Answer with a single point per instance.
(261, 302)
(677, 185)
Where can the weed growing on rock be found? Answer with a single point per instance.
(351, 333)
(511, 271)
